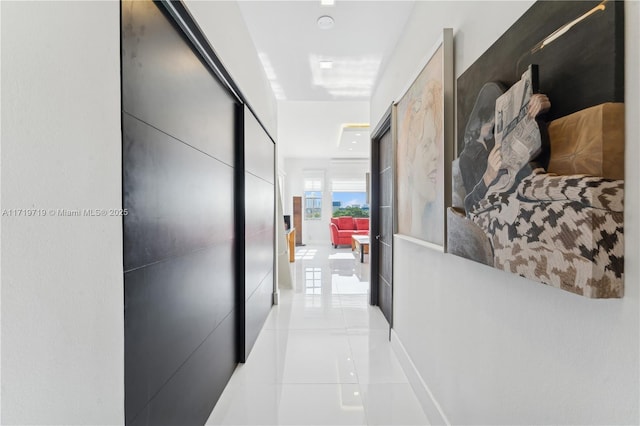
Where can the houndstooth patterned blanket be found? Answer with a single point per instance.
(565, 231)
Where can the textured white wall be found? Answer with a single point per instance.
(62, 286)
(498, 349)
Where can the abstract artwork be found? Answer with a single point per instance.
(538, 185)
(423, 148)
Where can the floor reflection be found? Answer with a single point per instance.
(339, 273)
(313, 280)
(305, 253)
(323, 356)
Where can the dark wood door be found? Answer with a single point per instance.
(382, 223)
(297, 219)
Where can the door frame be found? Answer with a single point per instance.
(386, 124)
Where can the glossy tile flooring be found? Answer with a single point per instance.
(323, 356)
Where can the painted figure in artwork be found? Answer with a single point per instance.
(548, 209)
(514, 130)
(478, 136)
(565, 231)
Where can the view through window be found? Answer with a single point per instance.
(350, 204)
(349, 198)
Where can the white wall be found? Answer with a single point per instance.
(494, 348)
(317, 231)
(225, 28)
(62, 283)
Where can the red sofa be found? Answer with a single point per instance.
(342, 228)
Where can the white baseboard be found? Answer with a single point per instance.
(429, 404)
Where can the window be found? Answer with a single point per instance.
(349, 198)
(313, 198)
(312, 205)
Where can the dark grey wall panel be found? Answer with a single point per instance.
(259, 198)
(206, 372)
(258, 203)
(258, 306)
(178, 198)
(172, 306)
(180, 246)
(167, 86)
(259, 159)
(259, 252)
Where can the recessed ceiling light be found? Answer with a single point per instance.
(325, 22)
(354, 142)
(358, 134)
(327, 2)
(326, 65)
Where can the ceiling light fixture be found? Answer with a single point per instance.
(354, 142)
(327, 2)
(326, 65)
(325, 22)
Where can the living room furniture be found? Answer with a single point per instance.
(343, 228)
(360, 243)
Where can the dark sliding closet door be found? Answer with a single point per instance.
(259, 206)
(178, 127)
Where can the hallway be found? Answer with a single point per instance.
(323, 356)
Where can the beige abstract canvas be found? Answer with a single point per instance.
(420, 159)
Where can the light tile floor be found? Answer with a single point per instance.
(323, 356)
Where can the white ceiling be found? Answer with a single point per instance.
(291, 45)
(314, 129)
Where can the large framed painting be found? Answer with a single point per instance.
(425, 147)
(538, 182)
